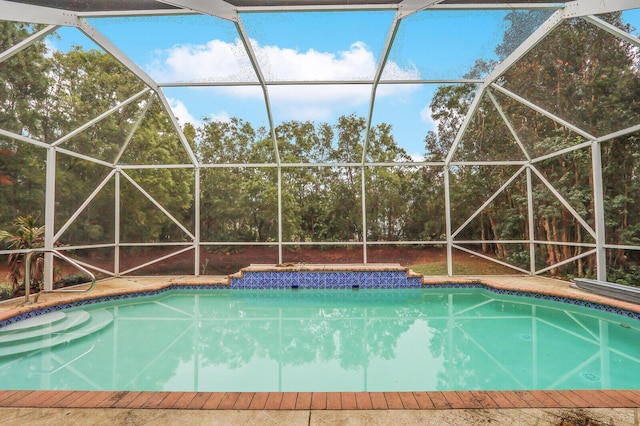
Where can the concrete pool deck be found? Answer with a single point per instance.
(540, 407)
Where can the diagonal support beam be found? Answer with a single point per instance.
(21, 138)
(506, 120)
(612, 29)
(465, 124)
(84, 205)
(564, 202)
(20, 12)
(489, 258)
(489, 200)
(536, 37)
(160, 259)
(580, 8)
(410, 7)
(246, 41)
(99, 118)
(157, 204)
(27, 42)
(376, 80)
(141, 117)
(619, 133)
(562, 151)
(218, 8)
(544, 112)
(109, 47)
(566, 261)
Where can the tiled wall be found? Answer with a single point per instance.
(325, 279)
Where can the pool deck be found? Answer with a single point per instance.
(539, 407)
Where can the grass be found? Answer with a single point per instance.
(472, 266)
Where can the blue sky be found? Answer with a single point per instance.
(314, 46)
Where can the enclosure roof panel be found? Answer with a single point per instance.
(86, 6)
(99, 5)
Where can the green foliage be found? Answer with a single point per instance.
(23, 87)
(581, 74)
(26, 235)
(628, 276)
(6, 292)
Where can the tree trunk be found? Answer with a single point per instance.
(499, 246)
(483, 234)
(551, 255)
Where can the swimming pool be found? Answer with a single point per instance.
(323, 340)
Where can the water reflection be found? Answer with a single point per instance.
(332, 340)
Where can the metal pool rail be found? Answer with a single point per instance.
(27, 274)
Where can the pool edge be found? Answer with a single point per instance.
(422, 400)
(119, 288)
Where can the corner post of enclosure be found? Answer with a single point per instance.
(532, 247)
(447, 212)
(116, 249)
(598, 210)
(279, 213)
(49, 217)
(363, 192)
(196, 219)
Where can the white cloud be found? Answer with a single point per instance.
(181, 112)
(357, 63)
(417, 157)
(214, 61)
(184, 116)
(50, 47)
(426, 117)
(222, 117)
(221, 61)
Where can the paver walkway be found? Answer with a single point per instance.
(323, 400)
(593, 408)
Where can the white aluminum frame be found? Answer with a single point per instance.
(586, 9)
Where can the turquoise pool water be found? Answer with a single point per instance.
(323, 340)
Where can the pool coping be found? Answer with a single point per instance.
(421, 400)
(427, 400)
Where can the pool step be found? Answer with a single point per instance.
(42, 327)
(51, 330)
(35, 322)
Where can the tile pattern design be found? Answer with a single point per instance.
(325, 280)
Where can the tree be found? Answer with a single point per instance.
(577, 72)
(225, 216)
(85, 84)
(387, 186)
(23, 84)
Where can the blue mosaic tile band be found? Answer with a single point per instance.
(568, 300)
(325, 280)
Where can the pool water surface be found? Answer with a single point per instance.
(322, 340)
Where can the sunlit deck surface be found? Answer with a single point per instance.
(537, 407)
